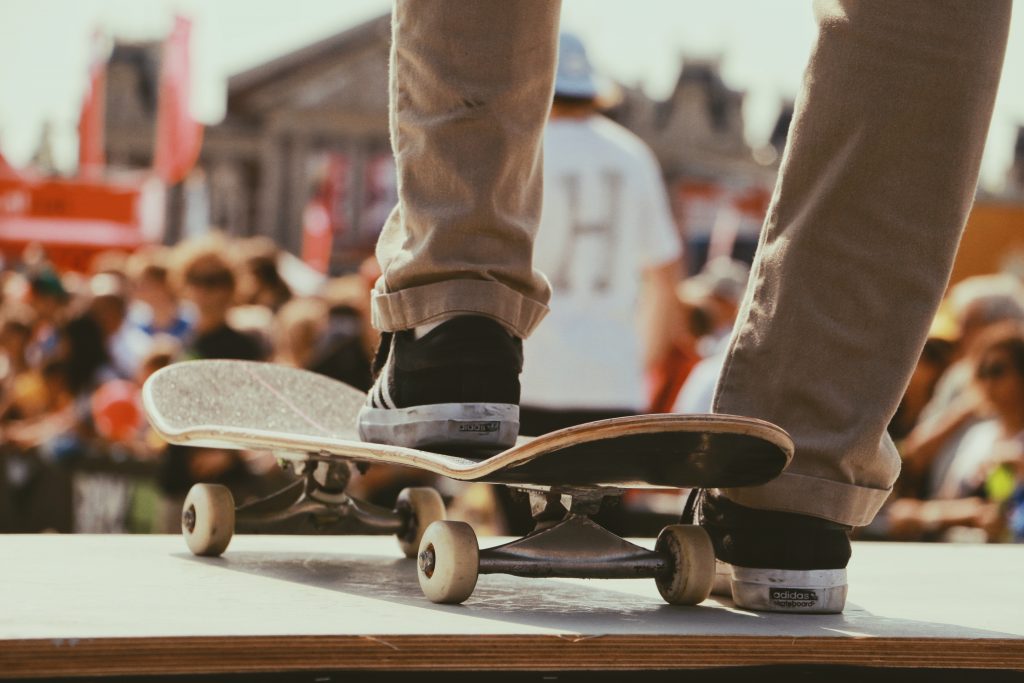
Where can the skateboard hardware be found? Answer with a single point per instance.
(309, 421)
(316, 503)
(574, 547)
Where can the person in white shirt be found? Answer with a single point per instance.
(609, 246)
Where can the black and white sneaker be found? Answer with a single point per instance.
(454, 390)
(773, 561)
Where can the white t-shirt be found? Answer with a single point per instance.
(605, 221)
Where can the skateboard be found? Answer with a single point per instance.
(309, 422)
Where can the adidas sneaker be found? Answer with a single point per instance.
(774, 561)
(455, 389)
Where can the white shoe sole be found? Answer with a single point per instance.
(723, 579)
(817, 591)
(442, 426)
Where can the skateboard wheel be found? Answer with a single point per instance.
(421, 506)
(208, 519)
(692, 557)
(448, 563)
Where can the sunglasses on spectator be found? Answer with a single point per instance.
(211, 279)
(996, 370)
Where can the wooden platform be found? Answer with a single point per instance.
(107, 605)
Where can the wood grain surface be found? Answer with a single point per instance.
(107, 605)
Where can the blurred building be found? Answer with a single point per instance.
(312, 127)
(1015, 176)
(698, 130)
(718, 185)
(309, 123)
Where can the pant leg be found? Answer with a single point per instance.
(471, 86)
(876, 182)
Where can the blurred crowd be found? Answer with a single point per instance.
(960, 425)
(75, 350)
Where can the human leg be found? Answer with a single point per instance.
(876, 183)
(470, 91)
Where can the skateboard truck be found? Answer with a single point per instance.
(574, 546)
(315, 503)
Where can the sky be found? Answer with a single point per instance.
(762, 44)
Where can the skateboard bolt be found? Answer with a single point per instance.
(188, 518)
(428, 561)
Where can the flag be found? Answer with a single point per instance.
(91, 156)
(320, 217)
(316, 235)
(178, 136)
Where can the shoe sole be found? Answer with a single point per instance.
(471, 427)
(817, 591)
(723, 579)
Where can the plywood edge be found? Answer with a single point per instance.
(253, 654)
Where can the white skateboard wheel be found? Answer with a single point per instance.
(689, 549)
(448, 563)
(424, 506)
(208, 519)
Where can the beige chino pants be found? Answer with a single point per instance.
(876, 182)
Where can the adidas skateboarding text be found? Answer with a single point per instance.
(479, 427)
(792, 598)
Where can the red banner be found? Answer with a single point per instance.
(324, 213)
(316, 236)
(71, 219)
(178, 136)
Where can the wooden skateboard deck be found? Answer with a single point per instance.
(300, 414)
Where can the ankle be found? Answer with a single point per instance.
(748, 537)
(420, 331)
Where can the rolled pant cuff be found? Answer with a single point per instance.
(407, 308)
(843, 503)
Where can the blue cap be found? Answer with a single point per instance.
(575, 76)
